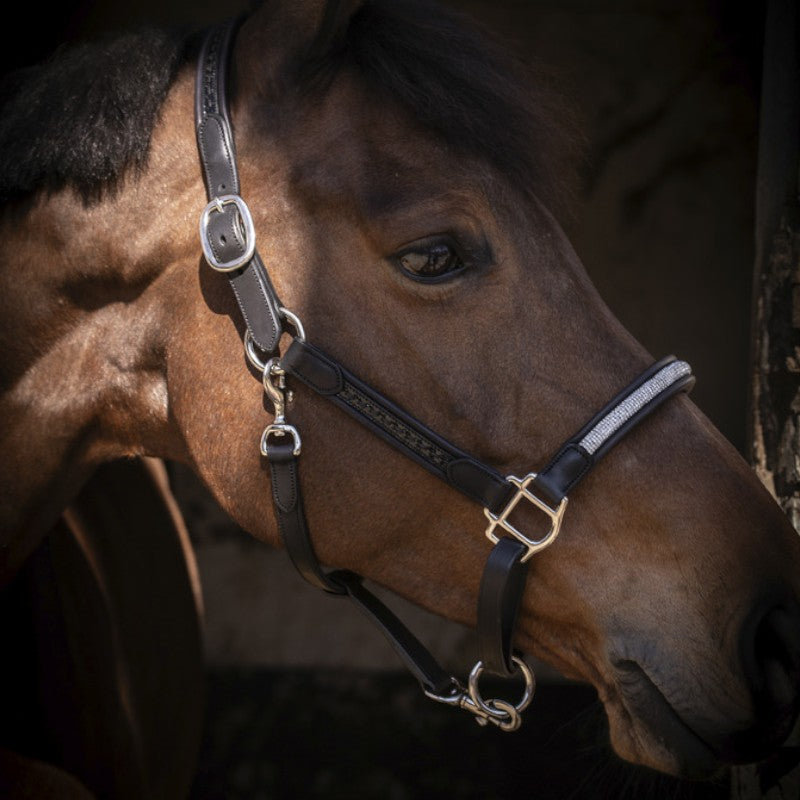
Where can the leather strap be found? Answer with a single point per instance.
(391, 423)
(476, 480)
(415, 656)
(499, 598)
(251, 285)
(288, 504)
(505, 572)
(290, 512)
(572, 462)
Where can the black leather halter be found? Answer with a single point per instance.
(228, 239)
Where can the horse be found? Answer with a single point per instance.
(398, 175)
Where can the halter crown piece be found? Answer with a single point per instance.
(228, 239)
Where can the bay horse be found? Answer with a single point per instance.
(397, 169)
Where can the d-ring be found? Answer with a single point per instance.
(250, 349)
(294, 320)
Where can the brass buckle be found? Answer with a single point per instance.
(501, 520)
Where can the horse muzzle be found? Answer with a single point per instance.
(706, 719)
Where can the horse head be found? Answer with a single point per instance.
(398, 174)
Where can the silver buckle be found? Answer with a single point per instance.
(248, 232)
(534, 545)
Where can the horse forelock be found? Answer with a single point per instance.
(85, 116)
(457, 81)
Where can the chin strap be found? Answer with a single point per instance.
(228, 238)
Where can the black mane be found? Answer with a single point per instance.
(86, 115)
(466, 87)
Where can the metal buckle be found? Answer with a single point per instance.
(534, 545)
(217, 205)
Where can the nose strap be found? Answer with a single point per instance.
(605, 429)
(502, 586)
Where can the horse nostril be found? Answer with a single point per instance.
(772, 667)
(777, 658)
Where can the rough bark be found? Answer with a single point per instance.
(775, 398)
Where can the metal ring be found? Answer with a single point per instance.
(252, 355)
(250, 345)
(498, 710)
(280, 429)
(510, 719)
(290, 316)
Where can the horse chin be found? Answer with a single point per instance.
(646, 729)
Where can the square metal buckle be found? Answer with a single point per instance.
(501, 520)
(217, 206)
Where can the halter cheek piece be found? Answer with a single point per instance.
(228, 240)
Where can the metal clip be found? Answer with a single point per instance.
(501, 713)
(280, 429)
(274, 380)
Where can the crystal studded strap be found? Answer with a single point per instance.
(583, 450)
(600, 437)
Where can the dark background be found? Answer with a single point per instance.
(666, 94)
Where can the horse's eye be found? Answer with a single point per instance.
(430, 260)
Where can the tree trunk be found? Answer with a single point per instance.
(775, 400)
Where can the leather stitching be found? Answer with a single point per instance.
(587, 465)
(210, 93)
(404, 434)
(273, 327)
(285, 486)
(208, 162)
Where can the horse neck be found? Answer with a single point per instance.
(87, 292)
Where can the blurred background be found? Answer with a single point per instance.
(305, 699)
